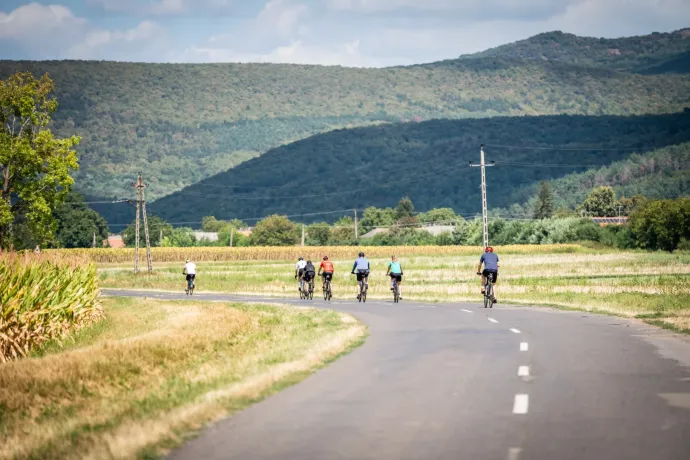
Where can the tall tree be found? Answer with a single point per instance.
(275, 231)
(601, 202)
(35, 165)
(544, 206)
(405, 208)
(77, 224)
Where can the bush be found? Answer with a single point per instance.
(43, 297)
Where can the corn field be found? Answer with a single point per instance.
(43, 297)
(220, 254)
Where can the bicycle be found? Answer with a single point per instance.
(327, 293)
(489, 291)
(306, 290)
(190, 287)
(363, 287)
(396, 290)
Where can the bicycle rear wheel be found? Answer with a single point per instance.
(396, 293)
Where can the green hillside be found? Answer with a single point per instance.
(662, 173)
(180, 123)
(654, 53)
(428, 161)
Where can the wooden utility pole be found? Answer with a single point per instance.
(302, 234)
(485, 217)
(355, 224)
(232, 234)
(141, 204)
(94, 239)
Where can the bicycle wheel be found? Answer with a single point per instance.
(364, 294)
(396, 293)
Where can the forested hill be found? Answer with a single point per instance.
(428, 161)
(654, 53)
(181, 123)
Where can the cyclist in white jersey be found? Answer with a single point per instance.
(190, 271)
(299, 270)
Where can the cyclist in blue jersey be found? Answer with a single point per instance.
(491, 264)
(361, 268)
(396, 273)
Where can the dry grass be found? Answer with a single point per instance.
(155, 370)
(216, 254)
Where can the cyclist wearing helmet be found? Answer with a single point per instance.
(299, 271)
(309, 272)
(362, 269)
(328, 269)
(395, 272)
(490, 261)
(190, 271)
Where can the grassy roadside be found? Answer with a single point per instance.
(624, 283)
(152, 372)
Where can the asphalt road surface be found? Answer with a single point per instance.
(457, 381)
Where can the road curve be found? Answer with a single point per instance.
(456, 381)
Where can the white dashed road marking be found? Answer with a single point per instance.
(521, 404)
(493, 320)
(523, 371)
(517, 331)
(514, 453)
(467, 311)
(524, 346)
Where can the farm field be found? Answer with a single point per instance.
(655, 286)
(151, 372)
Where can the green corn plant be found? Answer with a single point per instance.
(44, 297)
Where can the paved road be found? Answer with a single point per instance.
(456, 381)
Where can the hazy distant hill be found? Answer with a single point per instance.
(428, 161)
(654, 53)
(182, 123)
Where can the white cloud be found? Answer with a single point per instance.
(158, 7)
(281, 18)
(53, 32)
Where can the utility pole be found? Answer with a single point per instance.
(94, 239)
(355, 224)
(232, 234)
(302, 234)
(141, 204)
(619, 211)
(485, 218)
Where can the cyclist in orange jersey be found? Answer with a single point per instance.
(328, 269)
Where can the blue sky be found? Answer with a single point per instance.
(366, 33)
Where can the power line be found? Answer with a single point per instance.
(570, 149)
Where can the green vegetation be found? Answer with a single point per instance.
(77, 223)
(35, 165)
(153, 372)
(428, 161)
(654, 53)
(663, 224)
(662, 173)
(42, 298)
(182, 123)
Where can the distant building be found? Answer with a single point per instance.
(114, 241)
(245, 231)
(604, 221)
(435, 230)
(210, 236)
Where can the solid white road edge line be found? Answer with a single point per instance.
(523, 371)
(524, 346)
(517, 331)
(493, 320)
(521, 404)
(514, 453)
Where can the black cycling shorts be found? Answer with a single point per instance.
(493, 272)
(308, 276)
(397, 276)
(300, 273)
(327, 275)
(190, 277)
(361, 274)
